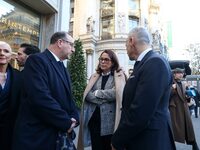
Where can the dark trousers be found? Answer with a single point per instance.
(98, 142)
(5, 138)
(196, 111)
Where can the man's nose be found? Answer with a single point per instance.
(1, 52)
(73, 49)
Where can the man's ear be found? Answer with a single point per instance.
(132, 41)
(59, 43)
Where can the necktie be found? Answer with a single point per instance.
(136, 64)
(64, 71)
(0, 88)
(62, 68)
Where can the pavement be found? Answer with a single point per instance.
(196, 125)
(179, 146)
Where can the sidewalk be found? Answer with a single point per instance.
(179, 146)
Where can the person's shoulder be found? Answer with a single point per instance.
(15, 70)
(95, 75)
(37, 56)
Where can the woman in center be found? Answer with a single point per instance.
(102, 100)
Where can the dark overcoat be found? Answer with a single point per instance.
(8, 117)
(145, 121)
(47, 104)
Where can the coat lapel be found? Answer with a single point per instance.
(57, 68)
(92, 81)
(180, 92)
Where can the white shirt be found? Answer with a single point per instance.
(3, 77)
(141, 56)
(56, 57)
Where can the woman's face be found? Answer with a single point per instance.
(105, 63)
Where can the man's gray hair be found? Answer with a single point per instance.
(142, 35)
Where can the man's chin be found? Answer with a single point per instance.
(131, 58)
(20, 65)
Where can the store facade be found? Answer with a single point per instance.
(27, 21)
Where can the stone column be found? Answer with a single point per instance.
(89, 62)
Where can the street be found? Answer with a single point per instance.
(196, 124)
(179, 146)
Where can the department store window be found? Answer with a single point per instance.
(107, 11)
(71, 22)
(133, 22)
(18, 25)
(133, 4)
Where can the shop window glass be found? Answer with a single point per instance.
(18, 25)
(107, 19)
(133, 4)
(133, 22)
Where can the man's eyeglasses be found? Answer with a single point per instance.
(104, 59)
(70, 43)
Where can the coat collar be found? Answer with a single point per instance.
(56, 67)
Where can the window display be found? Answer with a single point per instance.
(18, 25)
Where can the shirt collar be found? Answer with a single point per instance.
(105, 74)
(141, 56)
(56, 57)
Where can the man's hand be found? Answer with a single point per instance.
(174, 86)
(72, 125)
(113, 147)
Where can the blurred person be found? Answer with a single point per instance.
(48, 111)
(102, 102)
(196, 98)
(24, 51)
(10, 82)
(145, 120)
(180, 115)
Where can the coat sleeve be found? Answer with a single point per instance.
(152, 83)
(39, 96)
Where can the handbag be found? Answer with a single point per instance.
(65, 141)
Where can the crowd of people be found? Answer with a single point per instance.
(149, 110)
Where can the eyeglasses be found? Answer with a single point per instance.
(70, 43)
(104, 59)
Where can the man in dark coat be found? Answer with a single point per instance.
(196, 98)
(24, 52)
(180, 115)
(9, 96)
(47, 107)
(145, 121)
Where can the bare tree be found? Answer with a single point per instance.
(194, 50)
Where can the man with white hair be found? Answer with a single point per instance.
(9, 96)
(145, 120)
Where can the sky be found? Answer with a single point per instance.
(4, 8)
(185, 22)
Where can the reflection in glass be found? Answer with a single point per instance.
(18, 25)
(107, 19)
(133, 4)
(133, 22)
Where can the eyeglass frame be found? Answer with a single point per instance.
(104, 59)
(70, 43)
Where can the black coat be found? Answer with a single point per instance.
(145, 120)
(8, 116)
(47, 105)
